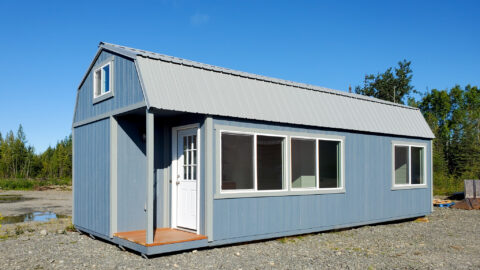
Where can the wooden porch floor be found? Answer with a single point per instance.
(162, 236)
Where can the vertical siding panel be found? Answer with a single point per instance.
(368, 196)
(92, 176)
(131, 179)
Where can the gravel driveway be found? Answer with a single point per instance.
(451, 240)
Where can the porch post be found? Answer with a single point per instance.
(150, 180)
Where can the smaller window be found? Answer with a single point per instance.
(409, 165)
(102, 80)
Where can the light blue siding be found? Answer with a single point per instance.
(162, 162)
(126, 88)
(131, 176)
(368, 197)
(92, 176)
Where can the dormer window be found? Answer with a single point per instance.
(102, 81)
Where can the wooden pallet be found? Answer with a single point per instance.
(442, 203)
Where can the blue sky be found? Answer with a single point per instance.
(46, 46)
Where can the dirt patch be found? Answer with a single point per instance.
(12, 198)
(18, 203)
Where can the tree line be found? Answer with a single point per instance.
(452, 114)
(18, 160)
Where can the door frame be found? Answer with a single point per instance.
(173, 203)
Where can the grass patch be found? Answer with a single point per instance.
(446, 185)
(19, 230)
(32, 184)
(70, 227)
(291, 239)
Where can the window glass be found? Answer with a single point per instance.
(303, 163)
(329, 164)
(269, 163)
(417, 165)
(98, 83)
(237, 161)
(106, 75)
(401, 165)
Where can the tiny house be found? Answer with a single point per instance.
(171, 155)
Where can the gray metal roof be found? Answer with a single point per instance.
(181, 85)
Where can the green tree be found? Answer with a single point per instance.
(393, 85)
(454, 117)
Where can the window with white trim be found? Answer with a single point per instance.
(409, 165)
(251, 162)
(102, 80)
(303, 163)
(316, 163)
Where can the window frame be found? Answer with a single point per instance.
(103, 95)
(409, 185)
(255, 174)
(287, 191)
(317, 172)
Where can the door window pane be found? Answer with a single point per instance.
(329, 164)
(303, 163)
(401, 165)
(269, 163)
(237, 161)
(194, 172)
(417, 165)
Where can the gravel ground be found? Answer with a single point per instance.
(450, 240)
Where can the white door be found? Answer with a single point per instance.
(187, 176)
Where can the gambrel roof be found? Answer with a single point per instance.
(176, 84)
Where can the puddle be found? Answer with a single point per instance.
(35, 216)
(11, 198)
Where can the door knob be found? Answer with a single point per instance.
(178, 182)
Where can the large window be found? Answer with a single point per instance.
(409, 165)
(102, 80)
(276, 164)
(269, 163)
(304, 171)
(237, 161)
(329, 164)
(316, 163)
(252, 162)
